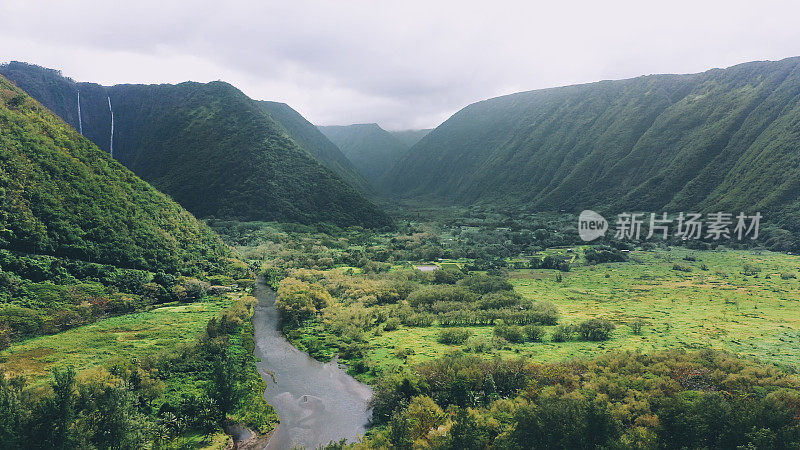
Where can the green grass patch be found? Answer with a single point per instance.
(715, 305)
(127, 336)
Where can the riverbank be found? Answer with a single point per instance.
(317, 402)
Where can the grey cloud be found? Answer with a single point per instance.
(401, 64)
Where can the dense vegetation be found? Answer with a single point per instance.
(313, 141)
(369, 147)
(45, 295)
(60, 195)
(665, 400)
(722, 140)
(210, 147)
(515, 344)
(81, 237)
(180, 396)
(84, 241)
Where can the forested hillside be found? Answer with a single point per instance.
(210, 147)
(60, 195)
(312, 140)
(725, 139)
(369, 147)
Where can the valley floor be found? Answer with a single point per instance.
(117, 338)
(716, 307)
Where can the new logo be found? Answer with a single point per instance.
(591, 225)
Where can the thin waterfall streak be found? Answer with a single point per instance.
(80, 120)
(111, 146)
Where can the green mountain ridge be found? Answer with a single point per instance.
(317, 144)
(60, 195)
(370, 148)
(725, 139)
(209, 146)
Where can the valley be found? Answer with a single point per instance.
(234, 276)
(428, 340)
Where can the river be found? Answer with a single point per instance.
(316, 402)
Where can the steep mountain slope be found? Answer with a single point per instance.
(210, 147)
(719, 140)
(61, 195)
(369, 147)
(312, 140)
(410, 137)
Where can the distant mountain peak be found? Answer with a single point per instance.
(370, 148)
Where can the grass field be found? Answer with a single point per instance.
(709, 303)
(124, 336)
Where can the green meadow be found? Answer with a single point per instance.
(125, 337)
(742, 301)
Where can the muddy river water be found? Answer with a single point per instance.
(317, 402)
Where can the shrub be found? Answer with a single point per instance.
(498, 300)
(195, 289)
(454, 336)
(5, 338)
(637, 325)
(595, 330)
(564, 423)
(21, 321)
(484, 284)
(550, 262)
(750, 270)
(419, 320)
(16, 101)
(604, 254)
(499, 343)
(534, 333)
(164, 279)
(129, 280)
(479, 344)
(404, 353)
(299, 300)
(544, 313)
(446, 276)
(391, 324)
(681, 268)
(511, 333)
(788, 275)
(563, 333)
(427, 296)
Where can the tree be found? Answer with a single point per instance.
(10, 412)
(596, 329)
(109, 417)
(63, 406)
(223, 388)
(300, 300)
(399, 431)
(465, 434)
(563, 423)
(424, 415)
(52, 417)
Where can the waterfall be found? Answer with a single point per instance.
(111, 147)
(80, 120)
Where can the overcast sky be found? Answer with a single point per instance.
(402, 64)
